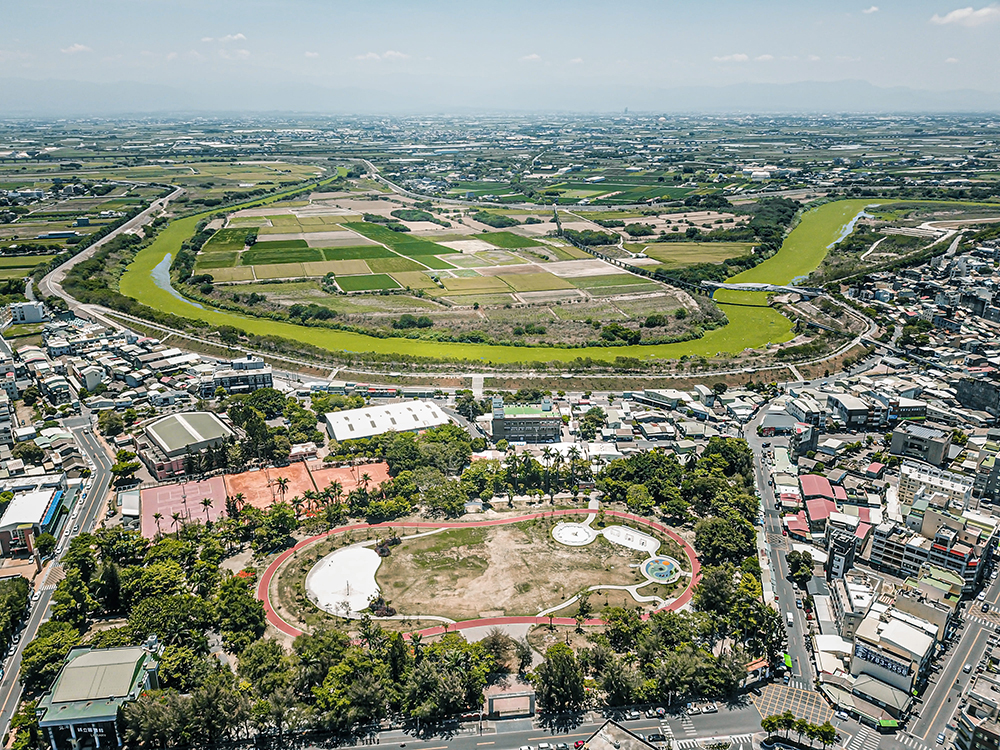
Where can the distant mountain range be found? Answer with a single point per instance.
(20, 97)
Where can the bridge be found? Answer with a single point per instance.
(807, 292)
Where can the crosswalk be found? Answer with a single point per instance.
(981, 620)
(737, 740)
(800, 684)
(865, 739)
(688, 725)
(911, 742)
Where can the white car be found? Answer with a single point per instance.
(842, 715)
(982, 596)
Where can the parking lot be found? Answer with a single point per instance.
(805, 704)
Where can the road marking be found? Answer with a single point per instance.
(949, 687)
(550, 736)
(491, 742)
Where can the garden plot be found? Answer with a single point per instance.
(338, 267)
(469, 246)
(571, 269)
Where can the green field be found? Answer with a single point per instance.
(436, 263)
(612, 279)
(24, 261)
(391, 265)
(357, 252)
(402, 242)
(681, 254)
(217, 260)
(507, 240)
(281, 245)
(368, 283)
(264, 253)
(535, 282)
(750, 326)
(226, 240)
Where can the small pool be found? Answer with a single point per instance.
(662, 569)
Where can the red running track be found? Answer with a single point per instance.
(282, 625)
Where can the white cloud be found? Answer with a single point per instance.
(764, 58)
(968, 16)
(312, 55)
(738, 57)
(171, 55)
(389, 55)
(951, 60)
(75, 49)
(236, 54)
(531, 58)
(577, 61)
(208, 39)
(233, 38)
(869, 11)
(813, 58)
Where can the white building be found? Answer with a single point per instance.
(406, 416)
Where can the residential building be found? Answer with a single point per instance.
(916, 479)
(30, 513)
(23, 312)
(977, 723)
(242, 376)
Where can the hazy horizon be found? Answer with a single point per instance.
(264, 56)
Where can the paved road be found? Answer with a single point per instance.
(51, 283)
(90, 509)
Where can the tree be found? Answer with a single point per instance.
(241, 615)
(125, 466)
(720, 540)
(800, 567)
(638, 500)
(716, 590)
(110, 423)
(559, 681)
(29, 452)
(268, 401)
(43, 657)
(45, 543)
(80, 556)
(24, 725)
(71, 601)
(182, 669)
(826, 733)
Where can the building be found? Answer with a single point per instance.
(242, 376)
(894, 649)
(23, 312)
(850, 599)
(82, 707)
(916, 479)
(29, 514)
(167, 441)
(405, 416)
(527, 424)
(921, 442)
(976, 724)
(853, 412)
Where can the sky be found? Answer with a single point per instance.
(477, 50)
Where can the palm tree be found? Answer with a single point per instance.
(206, 503)
(282, 484)
(312, 500)
(240, 499)
(158, 517)
(297, 504)
(336, 489)
(365, 481)
(574, 455)
(547, 454)
(177, 519)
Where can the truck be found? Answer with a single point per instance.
(790, 619)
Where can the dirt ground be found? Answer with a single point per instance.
(500, 570)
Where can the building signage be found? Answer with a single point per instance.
(863, 652)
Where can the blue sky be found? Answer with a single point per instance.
(390, 45)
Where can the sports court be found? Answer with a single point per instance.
(348, 476)
(184, 498)
(260, 489)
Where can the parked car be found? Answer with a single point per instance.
(982, 595)
(798, 603)
(842, 715)
(693, 710)
(710, 708)
(986, 607)
(967, 668)
(578, 744)
(940, 738)
(631, 715)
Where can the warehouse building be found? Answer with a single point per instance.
(406, 416)
(167, 441)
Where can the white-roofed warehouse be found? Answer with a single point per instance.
(406, 416)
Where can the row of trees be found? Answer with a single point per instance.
(787, 722)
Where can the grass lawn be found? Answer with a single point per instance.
(614, 291)
(535, 282)
(362, 252)
(263, 254)
(389, 265)
(465, 273)
(681, 254)
(281, 245)
(247, 221)
(507, 240)
(402, 242)
(368, 283)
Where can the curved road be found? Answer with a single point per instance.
(51, 283)
(264, 585)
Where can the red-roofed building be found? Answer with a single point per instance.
(875, 470)
(840, 494)
(814, 485)
(819, 509)
(798, 526)
(862, 532)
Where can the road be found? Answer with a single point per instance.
(51, 283)
(91, 509)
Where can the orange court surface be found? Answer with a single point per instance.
(259, 489)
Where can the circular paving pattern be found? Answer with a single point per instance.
(574, 534)
(662, 569)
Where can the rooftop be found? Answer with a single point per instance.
(173, 434)
(406, 416)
